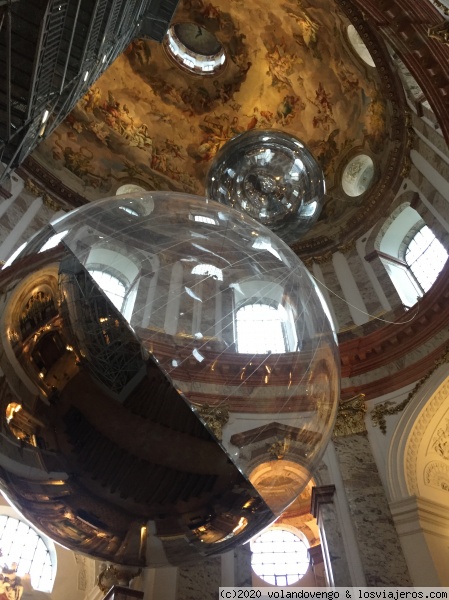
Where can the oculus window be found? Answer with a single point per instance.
(358, 175)
(279, 557)
(194, 48)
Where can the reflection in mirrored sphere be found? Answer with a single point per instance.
(271, 176)
(170, 379)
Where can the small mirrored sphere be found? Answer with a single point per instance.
(271, 176)
(171, 378)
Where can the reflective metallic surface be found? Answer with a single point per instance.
(271, 176)
(175, 408)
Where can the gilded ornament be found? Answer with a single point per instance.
(215, 417)
(308, 262)
(351, 417)
(279, 448)
(439, 32)
(51, 203)
(444, 9)
(347, 246)
(116, 575)
(384, 409)
(323, 259)
(34, 189)
(406, 166)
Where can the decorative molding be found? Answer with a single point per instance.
(444, 9)
(388, 408)
(39, 192)
(279, 448)
(406, 167)
(416, 436)
(116, 575)
(440, 442)
(50, 183)
(439, 32)
(347, 246)
(436, 474)
(50, 203)
(82, 572)
(31, 187)
(351, 417)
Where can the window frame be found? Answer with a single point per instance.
(48, 585)
(272, 304)
(301, 538)
(411, 239)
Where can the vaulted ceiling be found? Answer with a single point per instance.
(291, 67)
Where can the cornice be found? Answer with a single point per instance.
(395, 340)
(50, 185)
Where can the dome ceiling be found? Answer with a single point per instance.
(152, 122)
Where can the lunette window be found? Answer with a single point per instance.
(24, 549)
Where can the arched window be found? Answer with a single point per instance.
(279, 556)
(208, 271)
(114, 289)
(260, 329)
(24, 551)
(412, 256)
(426, 257)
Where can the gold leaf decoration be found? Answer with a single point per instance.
(351, 417)
(278, 449)
(388, 408)
(439, 32)
(215, 418)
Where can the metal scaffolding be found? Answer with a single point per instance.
(52, 51)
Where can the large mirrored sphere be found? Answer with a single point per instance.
(273, 177)
(170, 378)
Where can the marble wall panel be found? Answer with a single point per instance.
(243, 573)
(380, 550)
(200, 580)
(430, 133)
(336, 296)
(332, 542)
(366, 289)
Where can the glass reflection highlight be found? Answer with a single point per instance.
(154, 412)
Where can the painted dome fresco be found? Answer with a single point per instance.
(159, 115)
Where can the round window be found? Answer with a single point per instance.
(358, 175)
(129, 188)
(359, 46)
(279, 556)
(195, 48)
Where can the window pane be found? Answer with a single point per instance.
(279, 557)
(426, 257)
(260, 329)
(22, 545)
(112, 286)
